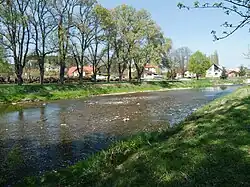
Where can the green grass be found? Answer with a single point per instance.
(210, 148)
(14, 93)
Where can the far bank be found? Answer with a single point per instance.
(35, 93)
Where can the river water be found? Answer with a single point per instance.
(46, 137)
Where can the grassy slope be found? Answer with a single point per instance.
(210, 148)
(14, 93)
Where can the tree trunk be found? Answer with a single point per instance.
(41, 68)
(81, 76)
(120, 72)
(19, 79)
(62, 71)
(108, 71)
(130, 72)
(197, 77)
(19, 73)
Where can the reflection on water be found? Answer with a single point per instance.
(48, 137)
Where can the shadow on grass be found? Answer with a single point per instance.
(211, 148)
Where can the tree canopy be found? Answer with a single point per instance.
(198, 64)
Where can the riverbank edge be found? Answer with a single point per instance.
(109, 167)
(57, 92)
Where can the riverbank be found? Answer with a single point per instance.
(35, 93)
(210, 148)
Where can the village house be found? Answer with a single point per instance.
(87, 71)
(215, 71)
(233, 73)
(150, 71)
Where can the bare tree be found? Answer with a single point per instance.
(15, 33)
(82, 33)
(95, 52)
(43, 26)
(182, 56)
(63, 13)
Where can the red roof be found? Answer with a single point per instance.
(86, 69)
(150, 66)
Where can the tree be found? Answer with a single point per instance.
(43, 26)
(242, 71)
(182, 56)
(63, 14)
(95, 52)
(15, 33)
(82, 33)
(215, 58)
(109, 27)
(198, 64)
(148, 43)
(224, 74)
(239, 8)
(127, 27)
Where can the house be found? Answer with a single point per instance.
(149, 71)
(214, 71)
(189, 74)
(150, 68)
(87, 71)
(51, 67)
(233, 72)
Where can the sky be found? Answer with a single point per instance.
(193, 28)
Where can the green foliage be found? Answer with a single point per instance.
(198, 64)
(243, 71)
(224, 74)
(195, 153)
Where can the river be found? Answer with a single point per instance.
(47, 137)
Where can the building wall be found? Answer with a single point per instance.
(212, 73)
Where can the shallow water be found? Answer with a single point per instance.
(43, 137)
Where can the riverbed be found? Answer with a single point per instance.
(49, 136)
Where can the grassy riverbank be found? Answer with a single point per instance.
(25, 93)
(210, 148)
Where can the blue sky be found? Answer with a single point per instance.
(193, 28)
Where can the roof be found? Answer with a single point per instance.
(220, 67)
(86, 69)
(150, 66)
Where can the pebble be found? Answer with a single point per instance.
(14, 103)
(44, 104)
(63, 125)
(138, 104)
(126, 119)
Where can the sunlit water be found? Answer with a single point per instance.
(47, 137)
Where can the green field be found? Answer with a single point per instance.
(32, 92)
(210, 148)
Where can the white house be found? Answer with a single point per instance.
(214, 71)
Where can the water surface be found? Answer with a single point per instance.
(47, 137)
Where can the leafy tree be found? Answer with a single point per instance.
(198, 64)
(242, 71)
(109, 26)
(224, 74)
